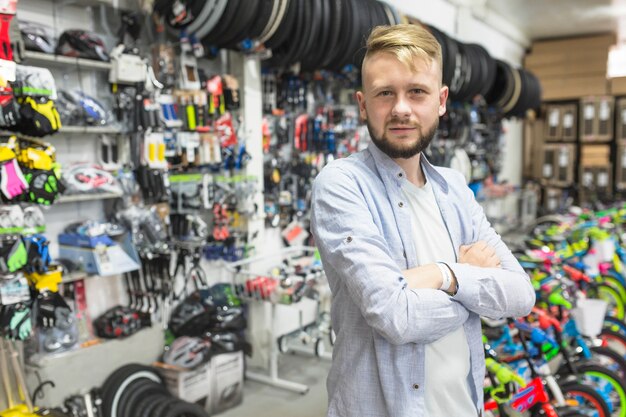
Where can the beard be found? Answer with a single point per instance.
(403, 150)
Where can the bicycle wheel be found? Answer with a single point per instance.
(617, 325)
(615, 341)
(611, 359)
(589, 401)
(608, 384)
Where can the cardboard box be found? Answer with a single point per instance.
(618, 86)
(553, 199)
(620, 165)
(227, 381)
(579, 43)
(596, 182)
(565, 88)
(596, 119)
(567, 64)
(561, 122)
(558, 164)
(595, 155)
(190, 385)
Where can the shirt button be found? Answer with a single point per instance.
(349, 239)
(416, 386)
(400, 175)
(400, 204)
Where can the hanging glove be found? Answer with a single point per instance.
(47, 304)
(12, 181)
(39, 116)
(20, 324)
(9, 110)
(43, 186)
(17, 256)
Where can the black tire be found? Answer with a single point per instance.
(592, 400)
(146, 406)
(118, 382)
(160, 409)
(141, 389)
(182, 408)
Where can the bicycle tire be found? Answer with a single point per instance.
(615, 340)
(182, 408)
(119, 381)
(618, 364)
(616, 325)
(601, 376)
(142, 389)
(148, 404)
(591, 398)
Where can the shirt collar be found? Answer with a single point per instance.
(387, 166)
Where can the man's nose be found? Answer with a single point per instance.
(401, 107)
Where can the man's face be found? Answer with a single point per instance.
(401, 106)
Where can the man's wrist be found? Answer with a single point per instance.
(448, 279)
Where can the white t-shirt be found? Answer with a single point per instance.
(447, 363)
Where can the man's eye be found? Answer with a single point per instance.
(417, 91)
(384, 93)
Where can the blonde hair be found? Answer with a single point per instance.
(406, 42)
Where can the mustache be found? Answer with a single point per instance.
(403, 123)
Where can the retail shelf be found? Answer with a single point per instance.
(90, 129)
(33, 57)
(73, 198)
(117, 4)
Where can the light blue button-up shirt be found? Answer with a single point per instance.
(362, 227)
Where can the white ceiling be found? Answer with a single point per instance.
(539, 19)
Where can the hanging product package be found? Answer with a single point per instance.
(82, 44)
(39, 116)
(34, 82)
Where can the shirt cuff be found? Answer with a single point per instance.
(468, 288)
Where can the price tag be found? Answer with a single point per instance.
(588, 179)
(603, 179)
(624, 159)
(624, 116)
(589, 111)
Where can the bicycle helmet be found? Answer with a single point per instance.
(36, 38)
(82, 44)
(192, 317)
(188, 352)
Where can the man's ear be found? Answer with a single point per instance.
(443, 98)
(360, 98)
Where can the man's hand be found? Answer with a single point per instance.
(479, 254)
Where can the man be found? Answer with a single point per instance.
(411, 260)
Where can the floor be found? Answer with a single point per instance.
(262, 400)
